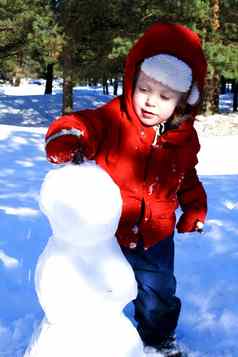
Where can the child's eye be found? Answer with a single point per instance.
(143, 89)
(164, 97)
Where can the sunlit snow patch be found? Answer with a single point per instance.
(8, 262)
(20, 211)
(231, 205)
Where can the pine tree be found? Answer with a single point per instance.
(221, 46)
(15, 24)
(45, 43)
(29, 37)
(89, 27)
(229, 22)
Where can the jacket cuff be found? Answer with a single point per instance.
(63, 132)
(187, 222)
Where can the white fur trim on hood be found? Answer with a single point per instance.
(168, 70)
(172, 72)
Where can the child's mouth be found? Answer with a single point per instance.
(147, 114)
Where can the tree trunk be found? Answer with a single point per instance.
(212, 89)
(235, 96)
(115, 86)
(67, 81)
(211, 98)
(18, 71)
(49, 78)
(16, 80)
(105, 86)
(215, 15)
(223, 85)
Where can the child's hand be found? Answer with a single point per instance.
(62, 149)
(78, 158)
(199, 227)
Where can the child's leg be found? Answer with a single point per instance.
(156, 306)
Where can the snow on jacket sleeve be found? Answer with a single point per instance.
(193, 201)
(72, 133)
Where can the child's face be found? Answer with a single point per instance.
(154, 102)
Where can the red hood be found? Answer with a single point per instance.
(173, 39)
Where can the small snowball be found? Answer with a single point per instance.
(80, 200)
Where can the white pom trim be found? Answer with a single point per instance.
(194, 95)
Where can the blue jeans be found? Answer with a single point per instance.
(156, 306)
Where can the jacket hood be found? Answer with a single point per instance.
(163, 38)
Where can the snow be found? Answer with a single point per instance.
(206, 264)
(218, 155)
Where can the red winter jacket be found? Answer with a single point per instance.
(154, 178)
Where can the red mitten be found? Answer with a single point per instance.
(189, 223)
(62, 149)
(186, 223)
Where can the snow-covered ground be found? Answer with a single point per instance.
(206, 264)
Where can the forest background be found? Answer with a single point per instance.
(86, 41)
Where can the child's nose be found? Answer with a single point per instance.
(151, 100)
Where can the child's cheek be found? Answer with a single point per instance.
(168, 109)
(137, 101)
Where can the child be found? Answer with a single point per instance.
(146, 141)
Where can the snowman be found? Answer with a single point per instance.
(82, 279)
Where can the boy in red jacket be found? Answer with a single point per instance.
(146, 141)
